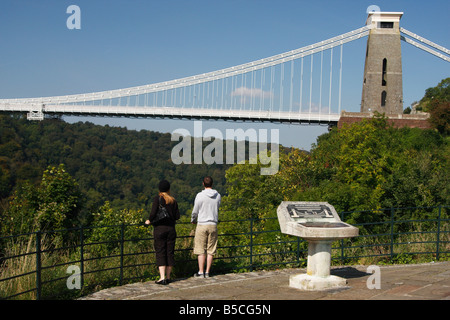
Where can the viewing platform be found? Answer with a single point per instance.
(426, 281)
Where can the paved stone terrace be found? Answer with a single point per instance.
(428, 281)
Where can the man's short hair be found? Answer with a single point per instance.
(207, 182)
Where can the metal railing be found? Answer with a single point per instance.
(114, 255)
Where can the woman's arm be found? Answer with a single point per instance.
(152, 214)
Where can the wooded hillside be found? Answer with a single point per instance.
(108, 163)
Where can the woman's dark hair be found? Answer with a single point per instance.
(164, 191)
(164, 186)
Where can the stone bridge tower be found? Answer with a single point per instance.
(382, 87)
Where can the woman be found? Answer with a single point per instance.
(164, 232)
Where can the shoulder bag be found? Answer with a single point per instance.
(161, 214)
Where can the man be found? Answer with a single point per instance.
(206, 215)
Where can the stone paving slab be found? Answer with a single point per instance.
(428, 281)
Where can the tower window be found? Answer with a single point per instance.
(386, 25)
(383, 98)
(383, 77)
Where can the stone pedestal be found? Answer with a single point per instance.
(320, 225)
(317, 276)
(319, 258)
(313, 283)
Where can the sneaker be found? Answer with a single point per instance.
(199, 275)
(206, 275)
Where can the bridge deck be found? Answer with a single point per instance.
(181, 113)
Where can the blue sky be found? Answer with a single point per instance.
(136, 42)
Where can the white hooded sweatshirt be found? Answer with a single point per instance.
(206, 207)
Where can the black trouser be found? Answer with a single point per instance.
(164, 242)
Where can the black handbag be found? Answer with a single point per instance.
(161, 214)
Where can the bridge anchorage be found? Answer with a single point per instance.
(279, 88)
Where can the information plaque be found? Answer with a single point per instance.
(311, 211)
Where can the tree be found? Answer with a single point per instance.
(54, 204)
(440, 115)
(363, 166)
(250, 194)
(441, 93)
(60, 199)
(107, 224)
(436, 101)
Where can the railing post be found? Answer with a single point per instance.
(342, 244)
(38, 265)
(251, 244)
(122, 228)
(81, 256)
(438, 234)
(392, 233)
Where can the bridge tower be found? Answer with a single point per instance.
(382, 86)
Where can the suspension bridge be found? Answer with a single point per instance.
(300, 86)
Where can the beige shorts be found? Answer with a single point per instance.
(205, 239)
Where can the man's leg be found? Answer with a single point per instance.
(200, 247)
(211, 246)
(201, 263)
(209, 262)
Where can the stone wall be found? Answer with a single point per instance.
(398, 120)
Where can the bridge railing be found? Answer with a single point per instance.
(50, 264)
